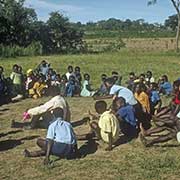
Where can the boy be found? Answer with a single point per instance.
(70, 72)
(107, 128)
(117, 78)
(60, 140)
(126, 116)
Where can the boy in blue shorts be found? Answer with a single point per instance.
(60, 140)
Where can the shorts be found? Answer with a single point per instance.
(62, 149)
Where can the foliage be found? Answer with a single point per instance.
(20, 28)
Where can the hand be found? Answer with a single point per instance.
(46, 161)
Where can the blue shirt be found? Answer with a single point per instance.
(167, 87)
(61, 131)
(154, 97)
(123, 92)
(127, 114)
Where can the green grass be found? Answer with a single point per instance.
(125, 162)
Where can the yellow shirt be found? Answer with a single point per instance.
(36, 91)
(108, 123)
(144, 100)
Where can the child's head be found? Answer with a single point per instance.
(15, 68)
(41, 79)
(103, 77)
(19, 69)
(132, 76)
(100, 107)
(77, 69)
(140, 87)
(58, 77)
(176, 85)
(44, 63)
(109, 82)
(58, 112)
(148, 74)
(164, 78)
(115, 75)
(86, 77)
(142, 77)
(50, 71)
(64, 78)
(118, 102)
(70, 69)
(153, 86)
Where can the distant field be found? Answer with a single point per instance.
(129, 161)
(141, 44)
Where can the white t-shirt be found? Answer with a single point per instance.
(123, 92)
(55, 102)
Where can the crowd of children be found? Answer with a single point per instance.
(132, 111)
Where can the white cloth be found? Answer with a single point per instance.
(123, 92)
(178, 137)
(55, 102)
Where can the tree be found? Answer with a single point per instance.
(172, 22)
(176, 4)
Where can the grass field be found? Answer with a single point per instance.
(129, 161)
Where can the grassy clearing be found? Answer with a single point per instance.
(126, 162)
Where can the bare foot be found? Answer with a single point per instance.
(143, 131)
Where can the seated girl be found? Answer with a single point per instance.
(87, 91)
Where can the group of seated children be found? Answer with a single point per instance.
(130, 113)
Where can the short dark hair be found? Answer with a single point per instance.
(101, 105)
(110, 80)
(58, 112)
(131, 74)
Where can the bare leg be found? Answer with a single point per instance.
(160, 139)
(42, 144)
(163, 111)
(149, 132)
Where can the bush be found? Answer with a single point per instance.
(33, 49)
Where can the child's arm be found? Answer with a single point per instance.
(109, 147)
(49, 146)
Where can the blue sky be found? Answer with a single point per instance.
(94, 10)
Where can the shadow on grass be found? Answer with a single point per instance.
(12, 143)
(123, 140)
(167, 145)
(89, 147)
(10, 132)
(5, 109)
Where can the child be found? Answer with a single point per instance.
(126, 116)
(149, 78)
(16, 78)
(70, 72)
(154, 97)
(117, 78)
(70, 87)
(142, 97)
(86, 87)
(165, 86)
(78, 79)
(103, 91)
(130, 82)
(39, 88)
(30, 80)
(43, 68)
(60, 140)
(107, 129)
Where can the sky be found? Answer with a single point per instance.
(95, 10)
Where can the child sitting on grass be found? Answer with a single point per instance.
(60, 140)
(155, 101)
(165, 86)
(39, 88)
(86, 87)
(126, 116)
(106, 129)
